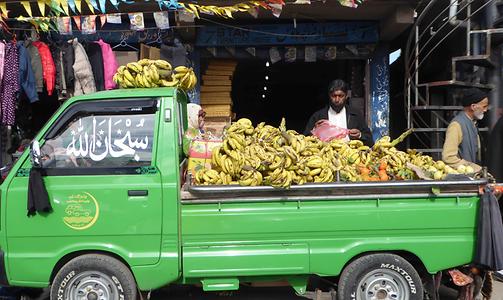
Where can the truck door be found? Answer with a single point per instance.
(103, 184)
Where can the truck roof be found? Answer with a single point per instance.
(128, 93)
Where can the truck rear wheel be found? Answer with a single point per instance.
(94, 277)
(380, 276)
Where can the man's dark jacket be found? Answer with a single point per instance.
(353, 118)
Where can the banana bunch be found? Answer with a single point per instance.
(146, 73)
(186, 77)
(275, 156)
(208, 176)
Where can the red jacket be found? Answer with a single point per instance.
(48, 67)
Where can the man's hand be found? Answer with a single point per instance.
(354, 134)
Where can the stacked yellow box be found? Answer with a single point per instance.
(216, 88)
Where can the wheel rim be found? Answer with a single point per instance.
(382, 285)
(92, 286)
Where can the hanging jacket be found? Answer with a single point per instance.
(2, 59)
(55, 52)
(36, 64)
(84, 80)
(10, 84)
(48, 67)
(26, 76)
(68, 54)
(95, 56)
(110, 64)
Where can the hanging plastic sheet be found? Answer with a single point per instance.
(489, 250)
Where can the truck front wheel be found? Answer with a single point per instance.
(94, 277)
(380, 276)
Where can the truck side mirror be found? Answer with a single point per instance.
(35, 154)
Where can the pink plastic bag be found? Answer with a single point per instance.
(327, 132)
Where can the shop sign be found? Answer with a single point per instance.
(361, 32)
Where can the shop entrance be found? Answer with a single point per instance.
(265, 92)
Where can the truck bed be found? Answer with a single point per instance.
(331, 191)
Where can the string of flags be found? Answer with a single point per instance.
(88, 24)
(74, 7)
(57, 14)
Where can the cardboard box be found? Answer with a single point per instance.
(149, 52)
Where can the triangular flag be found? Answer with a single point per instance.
(71, 3)
(103, 6)
(27, 7)
(212, 50)
(64, 5)
(115, 3)
(77, 21)
(3, 9)
(251, 50)
(41, 7)
(91, 8)
(78, 6)
(253, 11)
(103, 20)
(94, 4)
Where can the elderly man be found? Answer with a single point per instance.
(462, 141)
(340, 114)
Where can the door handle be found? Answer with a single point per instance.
(133, 193)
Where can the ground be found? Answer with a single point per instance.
(283, 293)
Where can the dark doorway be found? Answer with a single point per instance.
(292, 90)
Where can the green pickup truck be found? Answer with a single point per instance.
(124, 220)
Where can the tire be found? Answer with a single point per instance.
(380, 276)
(94, 275)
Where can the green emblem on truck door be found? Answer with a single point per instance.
(81, 211)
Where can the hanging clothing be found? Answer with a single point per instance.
(95, 56)
(110, 64)
(36, 65)
(10, 84)
(26, 76)
(38, 198)
(84, 79)
(57, 64)
(2, 59)
(68, 54)
(48, 67)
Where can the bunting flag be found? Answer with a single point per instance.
(115, 3)
(41, 8)
(88, 24)
(224, 11)
(103, 20)
(3, 10)
(254, 11)
(64, 5)
(103, 5)
(27, 7)
(64, 25)
(169, 4)
(78, 6)
(161, 19)
(252, 51)
(77, 21)
(55, 6)
(71, 4)
(90, 5)
(114, 18)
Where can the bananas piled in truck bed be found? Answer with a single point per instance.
(147, 73)
(266, 155)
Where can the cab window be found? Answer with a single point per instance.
(101, 140)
